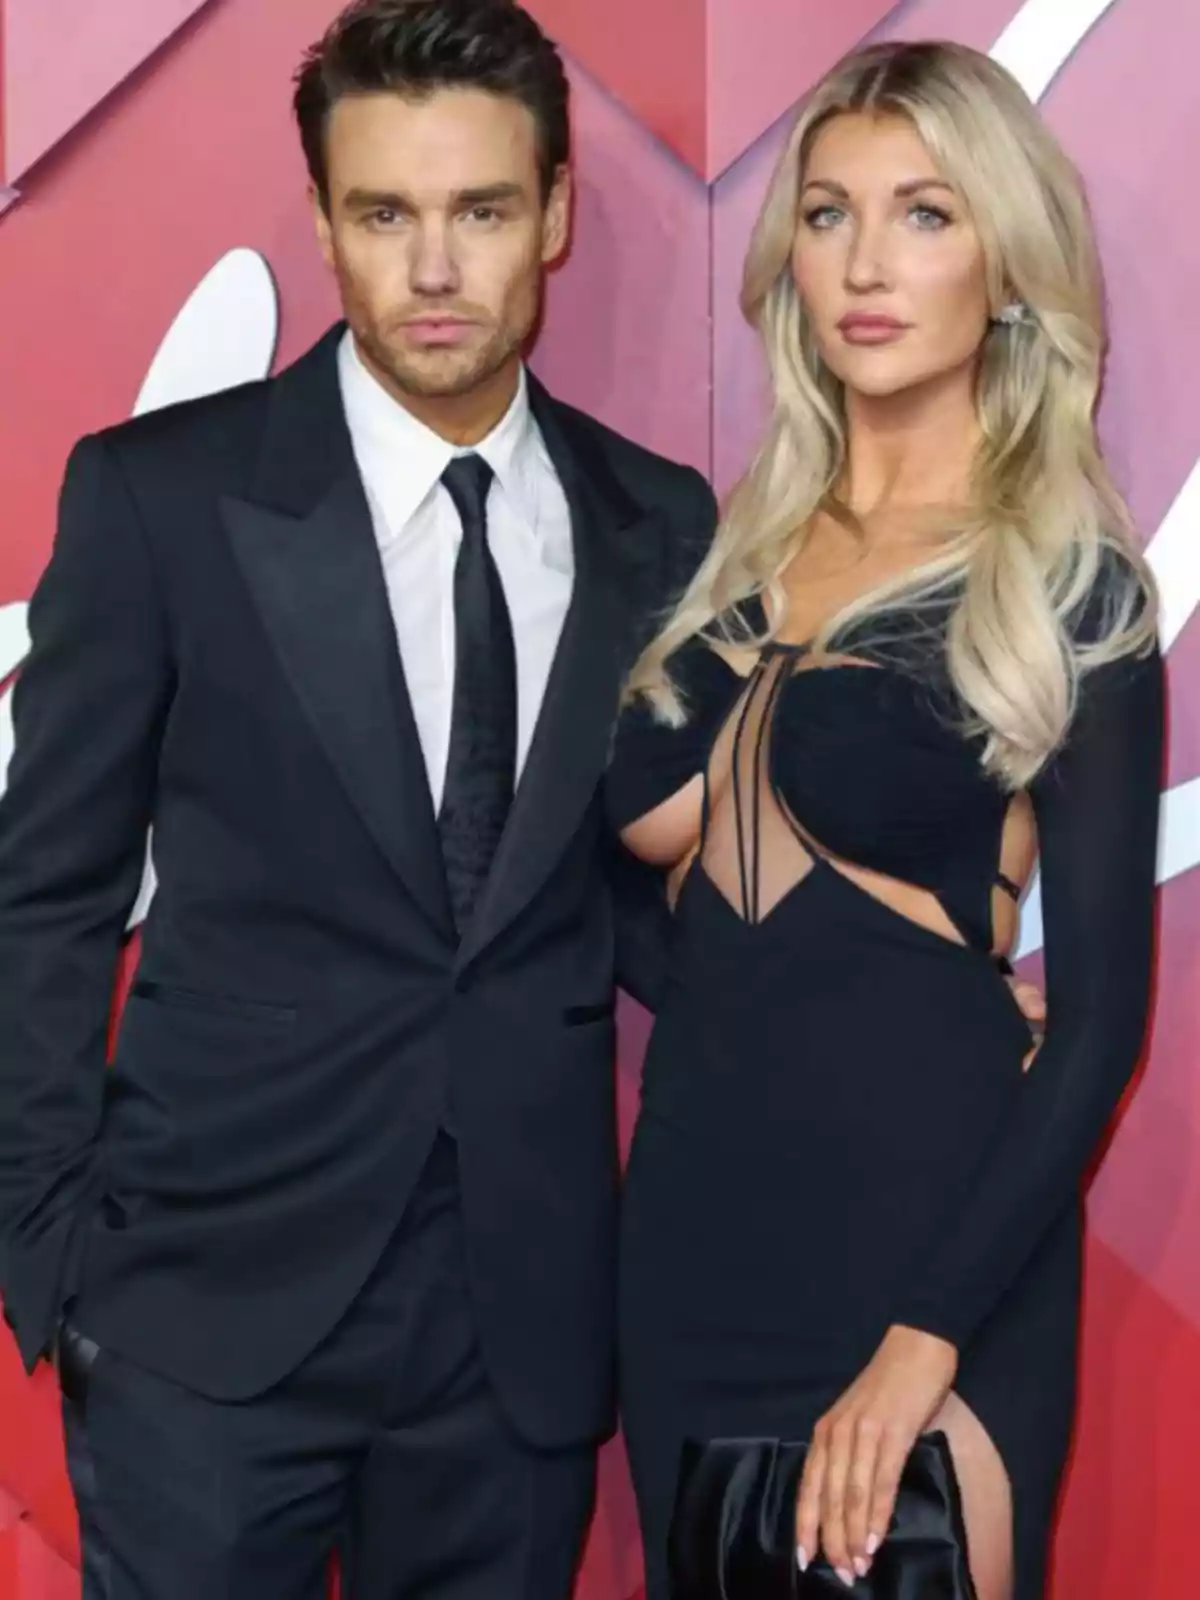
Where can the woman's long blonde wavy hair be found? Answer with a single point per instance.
(1045, 521)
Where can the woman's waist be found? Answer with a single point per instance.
(860, 1045)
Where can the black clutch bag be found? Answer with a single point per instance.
(733, 1533)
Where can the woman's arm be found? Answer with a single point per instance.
(645, 875)
(1097, 805)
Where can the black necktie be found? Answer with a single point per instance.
(481, 767)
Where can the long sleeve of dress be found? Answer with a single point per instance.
(650, 762)
(643, 924)
(637, 781)
(1097, 806)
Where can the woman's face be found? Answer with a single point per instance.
(887, 260)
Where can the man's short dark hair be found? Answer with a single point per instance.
(415, 47)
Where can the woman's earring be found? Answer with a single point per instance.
(1013, 314)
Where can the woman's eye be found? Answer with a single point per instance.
(822, 216)
(929, 217)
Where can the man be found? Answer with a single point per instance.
(334, 1236)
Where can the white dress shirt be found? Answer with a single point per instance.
(418, 532)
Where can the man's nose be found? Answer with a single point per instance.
(433, 269)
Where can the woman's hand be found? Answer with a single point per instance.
(1033, 1008)
(860, 1446)
(1032, 1002)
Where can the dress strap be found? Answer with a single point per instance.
(748, 849)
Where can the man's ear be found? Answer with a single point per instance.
(556, 231)
(322, 223)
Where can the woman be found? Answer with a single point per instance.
(850, 1215)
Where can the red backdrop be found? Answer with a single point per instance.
(147, 140)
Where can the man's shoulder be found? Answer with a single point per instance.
(211, 429)
(627, 457)
(682, 507)
(224, 442)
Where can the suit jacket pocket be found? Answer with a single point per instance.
(577, 1016)
(213, 1005)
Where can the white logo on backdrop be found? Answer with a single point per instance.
(226, 334)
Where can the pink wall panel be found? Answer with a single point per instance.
(652, 54)
(740, 394)
(626, 334)
(62, 57)
(693, 70)
(758, 54)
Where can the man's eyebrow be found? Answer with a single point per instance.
(376, 199)
(489, 194)
(483, 194)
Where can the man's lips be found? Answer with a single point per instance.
(439, 330)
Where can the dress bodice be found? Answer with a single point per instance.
(864, 753)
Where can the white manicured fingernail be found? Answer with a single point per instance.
(846, 1576)
(873, 1544)
(862, 1567)
(801, 1558)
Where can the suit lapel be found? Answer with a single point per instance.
(305, 543)
(570, 745)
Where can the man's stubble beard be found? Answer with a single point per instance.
(445, 377)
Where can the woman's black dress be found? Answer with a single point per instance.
(836, 1133)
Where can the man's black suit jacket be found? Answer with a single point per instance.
(213, 656)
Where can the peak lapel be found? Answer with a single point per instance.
(570, 746)
(306, 547)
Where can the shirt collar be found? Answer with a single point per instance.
(402, 460)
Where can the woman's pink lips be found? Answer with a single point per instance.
(863, 328)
